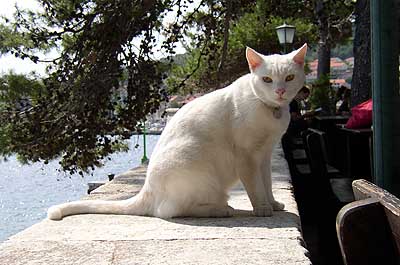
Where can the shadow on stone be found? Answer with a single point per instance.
(243, 218)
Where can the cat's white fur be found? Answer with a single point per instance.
(211, 143)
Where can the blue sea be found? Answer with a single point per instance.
(26, 191)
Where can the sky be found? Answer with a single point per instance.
(9, 62)
(19, 66)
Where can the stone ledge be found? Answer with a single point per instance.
(116, 239)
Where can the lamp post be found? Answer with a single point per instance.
(145, 160)
(285, 34)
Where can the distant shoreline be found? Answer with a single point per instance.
(148, 133)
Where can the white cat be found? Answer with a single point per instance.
(211, 143)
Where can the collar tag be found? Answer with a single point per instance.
(277, 112)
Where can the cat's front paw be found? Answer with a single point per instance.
(278, 206)
(263, 211)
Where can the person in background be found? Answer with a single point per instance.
(339, 94)
(298, 122)
(343, 105)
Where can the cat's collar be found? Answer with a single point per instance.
(275, 109)
(277, 112)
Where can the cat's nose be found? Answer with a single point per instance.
(280, 91)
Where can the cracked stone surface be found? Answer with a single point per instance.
(116, 239)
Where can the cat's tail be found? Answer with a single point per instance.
(138, 205)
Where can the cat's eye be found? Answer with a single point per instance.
(267, 79)
(289, 78)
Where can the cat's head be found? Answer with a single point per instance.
(276, 79)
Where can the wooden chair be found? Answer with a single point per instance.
(295, 155)
(300, 175)
(369, 228)
(326, 178)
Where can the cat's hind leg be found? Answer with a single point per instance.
(210, 210)
(170, 209)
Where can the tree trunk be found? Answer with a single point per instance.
(324, 47)
(324, 59)
(224, 52)
(361, 80)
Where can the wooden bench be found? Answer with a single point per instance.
(295, 155)
(325, 176)
(369, 228)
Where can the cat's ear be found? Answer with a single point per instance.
(254, 59)
(300, 54)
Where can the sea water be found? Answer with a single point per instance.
(26, 191)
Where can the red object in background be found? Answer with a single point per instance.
(361, 116)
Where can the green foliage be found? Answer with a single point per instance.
(98, 90)
(206, 67)
(260, 34)
(343, 50)
(184, 76)
(255, 29)
(322, 96)
(17, 95)
(14, 87)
